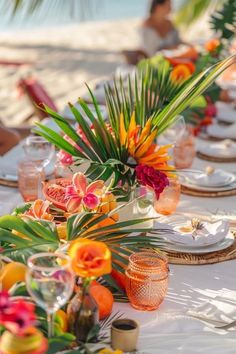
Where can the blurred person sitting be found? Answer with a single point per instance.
(157, 31)
(8, 139)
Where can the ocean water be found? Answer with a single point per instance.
(59, 12)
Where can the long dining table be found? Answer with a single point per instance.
(171, 329)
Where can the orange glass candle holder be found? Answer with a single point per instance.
(147, 280)
(169, 198)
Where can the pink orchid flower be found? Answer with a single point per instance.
(81, 194)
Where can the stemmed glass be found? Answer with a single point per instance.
(175, 132)
(38, 150)
(50, 282)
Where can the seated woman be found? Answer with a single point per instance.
(8, 139)
(157, 31)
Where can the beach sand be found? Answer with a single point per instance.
(63, 59)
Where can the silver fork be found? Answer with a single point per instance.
(227, 326)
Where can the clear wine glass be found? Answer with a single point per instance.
(50, 282)
(175, 132)
(38, 150)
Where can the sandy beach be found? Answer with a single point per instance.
(63, 59)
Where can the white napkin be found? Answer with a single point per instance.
(226, 112)
(222, 308)
(216, 179)
(218, 131)
(210, 234)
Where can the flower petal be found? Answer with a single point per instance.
(70, 192)
(79, 181)
(91, 201)
(95, 186)
(73, 204)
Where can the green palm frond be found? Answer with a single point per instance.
(18, 235)
(223, 21)
(101, 146)
(190, 11)
(74, 9)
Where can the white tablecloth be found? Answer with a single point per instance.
(169, 330)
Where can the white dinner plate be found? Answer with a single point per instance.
(220, 132)
(224, 149)
(229, 187)
(226, 112)
(212, 233)
(221, 245)
(218, 178)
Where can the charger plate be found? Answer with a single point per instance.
(200, 259)
(7, 183)
(207, 194)
(206, 157)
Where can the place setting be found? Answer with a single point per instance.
(210, 182)
(226, 112)
(223, 151)
(196, 241)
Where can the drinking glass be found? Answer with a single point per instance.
(169, 198)
(38, 150)
(147, 280)
(184, 151)
(30, 178)
(175, 132)
(50, 282)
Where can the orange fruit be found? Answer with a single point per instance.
(103, 298)
(119, 278)
(62, 320)
(12, 273)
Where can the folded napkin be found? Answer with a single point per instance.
(222, 308)
(210, 233)
(217, 131)
(217, 178)
(226, 112)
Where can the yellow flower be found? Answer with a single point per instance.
(140, 144)
(109, 351)
(90, 258)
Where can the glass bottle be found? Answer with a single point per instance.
(83, 314)
(147, 280)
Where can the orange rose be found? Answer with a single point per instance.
(212, 45)
(180, 73)
(90, 258)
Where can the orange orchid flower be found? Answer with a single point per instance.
(39, 210)
(180, 73)
(140, 144)
(90, 258)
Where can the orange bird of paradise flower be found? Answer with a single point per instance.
(140, 144)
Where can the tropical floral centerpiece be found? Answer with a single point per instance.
(140, 110)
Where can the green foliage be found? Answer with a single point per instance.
(223, 21)
(103, 149)
(190, 11)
